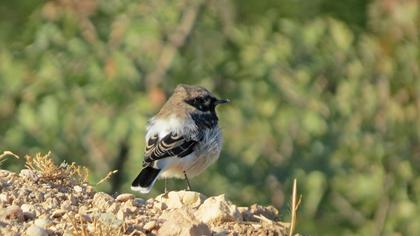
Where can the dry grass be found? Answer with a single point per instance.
(49, 171)
(294, 207)
(7, 153)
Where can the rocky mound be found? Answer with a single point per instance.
(35, 203)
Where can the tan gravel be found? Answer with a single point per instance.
(31, 204)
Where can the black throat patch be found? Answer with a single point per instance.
(205, 120)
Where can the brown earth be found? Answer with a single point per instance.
(54, 200)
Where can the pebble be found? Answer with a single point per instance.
(28, 216)
(102, 200)
(139, 202)
(41, 222)
(78, 189)
(121, 215)
(34, 230)
(6, 198)
(27, 208)
(14, 213)
(58, 213)
(124, 197)
(149, 225)
(29, 174)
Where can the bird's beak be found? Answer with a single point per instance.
(222, 101)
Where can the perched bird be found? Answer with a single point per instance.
(183, 139)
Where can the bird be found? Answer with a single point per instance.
(182, 139)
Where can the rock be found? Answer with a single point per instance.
(179, 199)
(121, 214)
(182, 222)
(13, 212)
(6, 198)
(217, 209)
(29, 174)
(78, 189)
(27, 207)
(68, 233)
(34, 230)
(124, 197)
(42, 222)
(160, 206)
(139, 202)
(91, 227)
(28, 216)
(66, 205)
(269, 212)
(83, 210)
(102, 200)
(58, 213)
(149, 225)
(72, 199)
(110, 220)
(113, 208)
(86, 217)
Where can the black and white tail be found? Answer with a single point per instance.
(145, 180)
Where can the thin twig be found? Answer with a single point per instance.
(8, 153)
(107, 177)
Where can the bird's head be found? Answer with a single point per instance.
(198, 97)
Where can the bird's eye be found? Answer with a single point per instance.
(199, 100)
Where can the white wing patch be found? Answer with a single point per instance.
(163, 127)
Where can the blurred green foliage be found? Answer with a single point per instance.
(323, 91)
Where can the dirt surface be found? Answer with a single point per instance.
(54, 200)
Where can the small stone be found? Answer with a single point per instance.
(58, 213)
(34, 230)
(120, 215)
(73, 200)
(28, 216)
(14, 213)
(86, 217)
(161, 206)
(68, 233)
(5, 198)
(102, 200)
(124, 197)
(149, 225)
(139, 202)
(269, 212)
(89, 189)
(27, 208)
(91, 227)
(179, 199)
(132, 209)
(29, 174)
(217, 209)
(113, 208)
(78, 189)
(182, 222)
(110, 219)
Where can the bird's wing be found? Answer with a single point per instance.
(172, 145)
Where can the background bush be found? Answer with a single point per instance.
(324, 91)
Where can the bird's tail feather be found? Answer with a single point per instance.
(145, 180)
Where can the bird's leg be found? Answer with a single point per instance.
(188, 182)
(166, 190)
